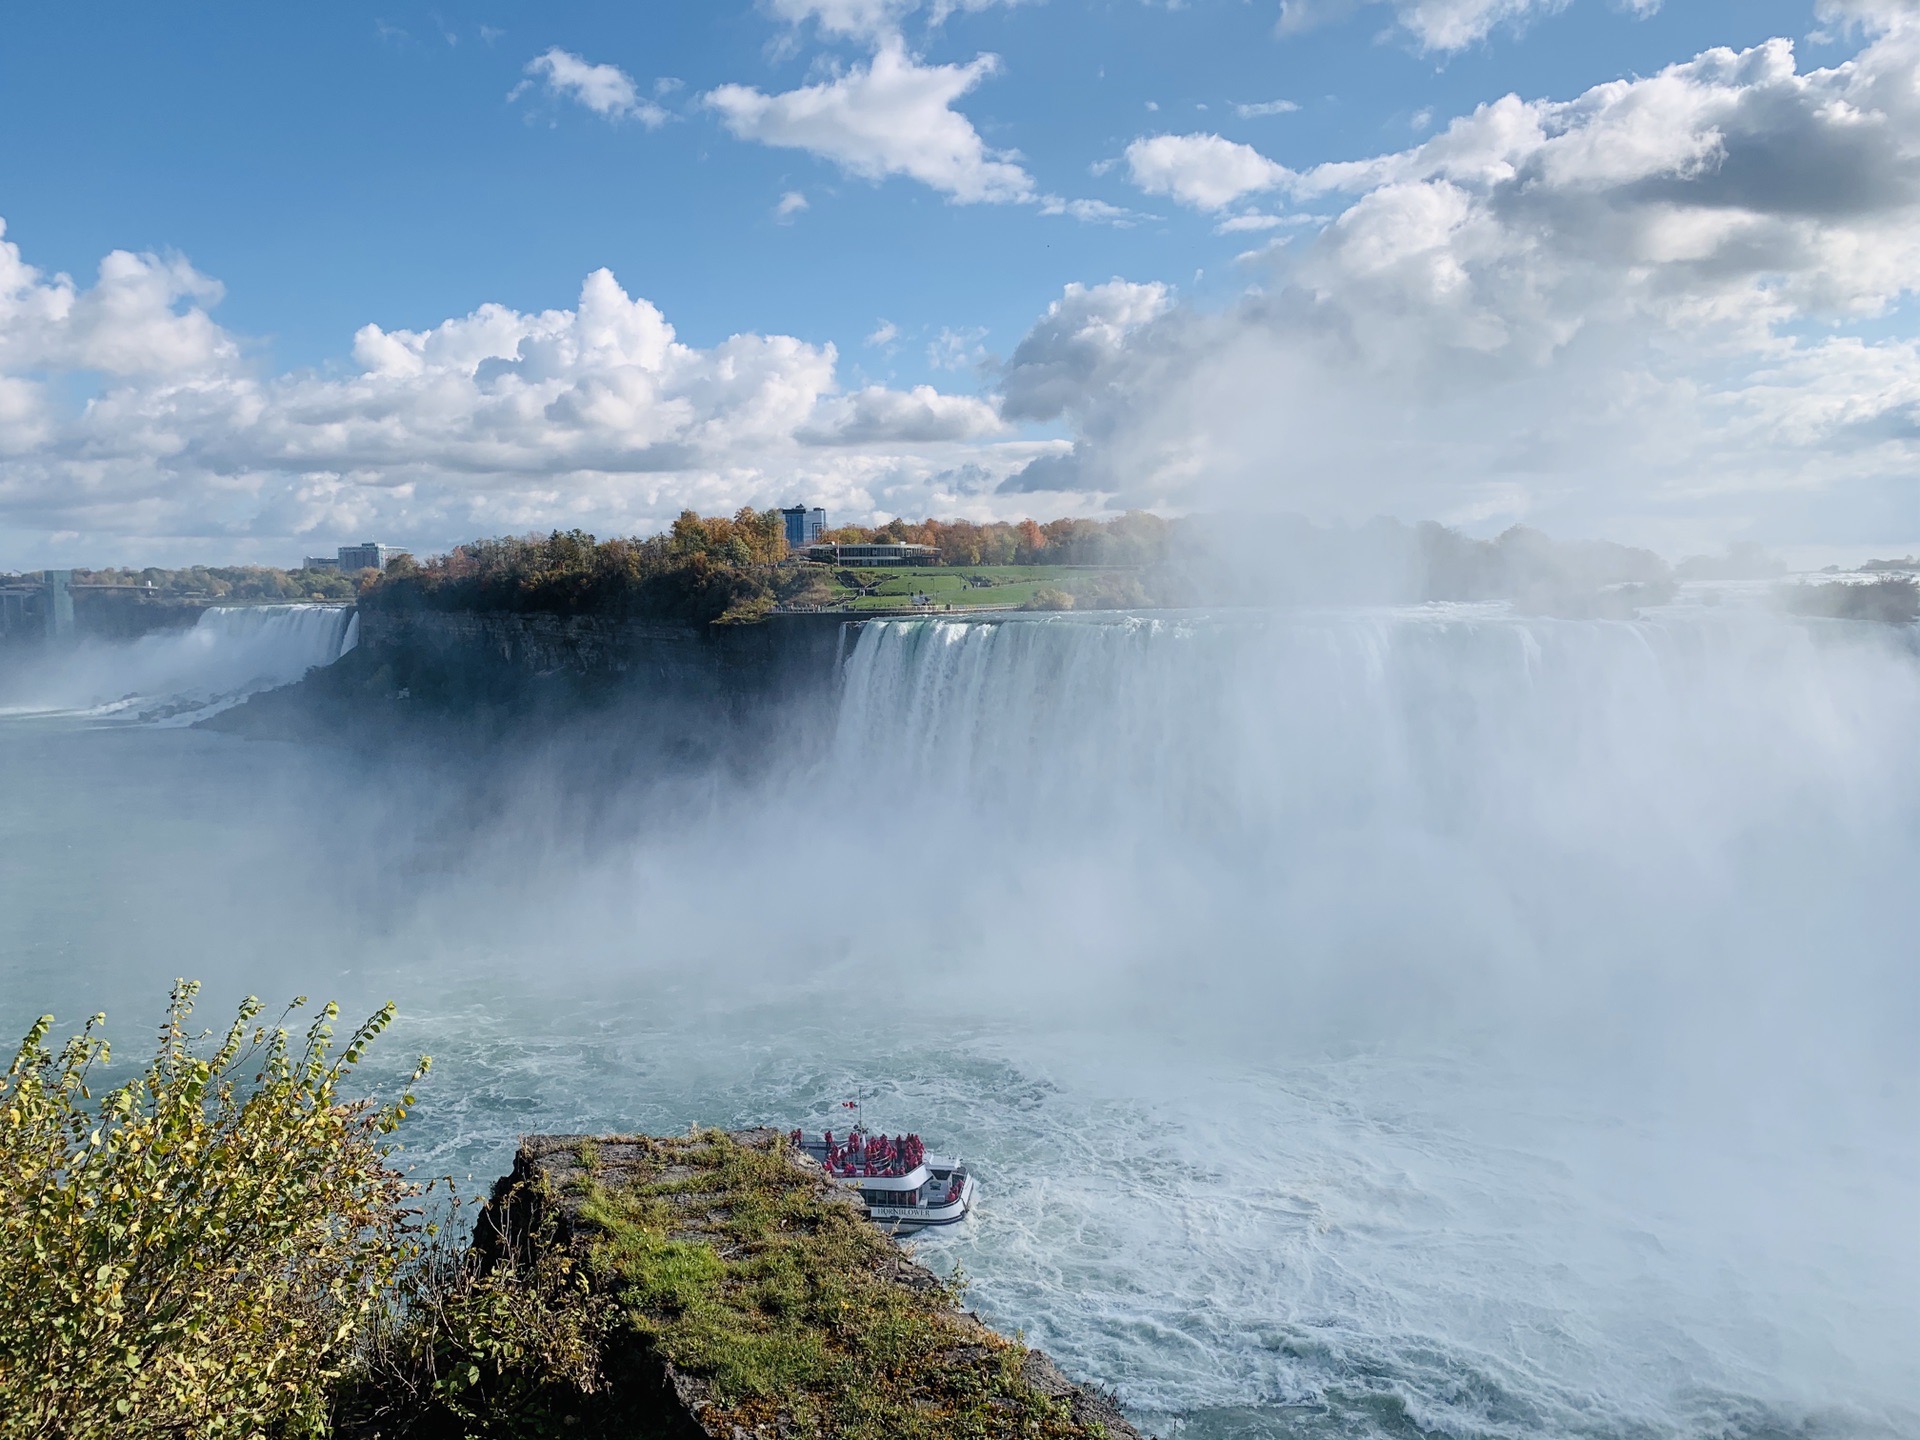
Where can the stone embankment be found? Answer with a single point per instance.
(759, 1302)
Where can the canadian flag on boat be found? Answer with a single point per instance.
(849, 1104)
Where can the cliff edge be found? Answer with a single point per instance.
(757, 1301)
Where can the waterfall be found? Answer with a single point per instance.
(1526, 1004)
(1423, 796)
(264, 645)
(1438, 715)
(231, 652)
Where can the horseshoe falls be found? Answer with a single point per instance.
(1364, 1023)
(1518, 1008)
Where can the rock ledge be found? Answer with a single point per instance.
(785, 1264)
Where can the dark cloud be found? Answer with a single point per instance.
(1045, 473)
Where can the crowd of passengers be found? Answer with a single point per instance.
(861, 1155)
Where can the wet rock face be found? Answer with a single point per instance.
(643, 693)
(760, 1302)
(784, 652)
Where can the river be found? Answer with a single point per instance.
(1364, 1023)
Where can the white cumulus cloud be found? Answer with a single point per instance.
(131, 322)
(857, 18)
(1448, 25)
(870, 19)
(498, 420)
(1877, 14)
(1070, 351)
(892, 116)
(1601, 313)
(606, 90)
(923, 414)
(1207, 171)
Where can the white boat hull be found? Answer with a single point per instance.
(924, 1217)
(898, 1195)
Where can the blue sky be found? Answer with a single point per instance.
(293, 175)
(371, 152)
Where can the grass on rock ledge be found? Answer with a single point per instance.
(793, 1311)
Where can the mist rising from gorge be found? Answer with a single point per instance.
(1510, 1008)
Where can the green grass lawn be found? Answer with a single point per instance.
(1007, 585)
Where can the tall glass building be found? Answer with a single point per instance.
(804, 526)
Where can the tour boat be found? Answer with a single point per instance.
(902, 1185)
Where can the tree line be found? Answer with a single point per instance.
(724, 568)
(227, 582)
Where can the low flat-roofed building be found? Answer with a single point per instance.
(897, 554)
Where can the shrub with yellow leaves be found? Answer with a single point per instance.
(196, 1252)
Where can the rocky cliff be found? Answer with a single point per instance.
(757, 1301)
(698, 687)
(779, 653)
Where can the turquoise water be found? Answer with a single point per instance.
(1363, 1025)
